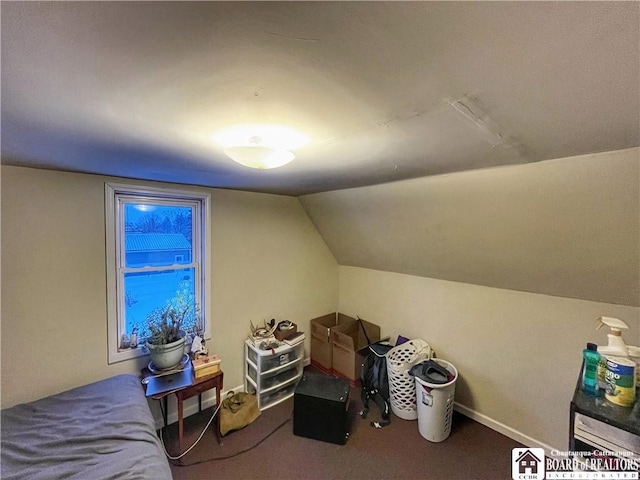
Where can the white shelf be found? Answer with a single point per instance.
(273, 374)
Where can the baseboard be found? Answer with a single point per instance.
(503, 429)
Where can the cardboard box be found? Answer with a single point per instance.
(349, 347)
(321, 348)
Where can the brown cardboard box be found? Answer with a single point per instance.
(349, 347)
(321, 348)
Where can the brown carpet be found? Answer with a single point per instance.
(267, 449)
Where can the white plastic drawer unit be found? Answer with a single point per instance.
(272, 374)
(271, 379)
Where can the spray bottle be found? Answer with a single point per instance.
(615, 348)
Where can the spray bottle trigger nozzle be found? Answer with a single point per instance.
(613, 323)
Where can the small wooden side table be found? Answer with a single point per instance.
(198, 386)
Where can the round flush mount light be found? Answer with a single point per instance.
(259, 156)
(260, 146)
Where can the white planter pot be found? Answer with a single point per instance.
(167, 356)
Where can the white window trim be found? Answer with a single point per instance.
(112, 231)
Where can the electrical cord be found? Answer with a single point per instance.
(226, 457)
(180, 464)
(194, 443)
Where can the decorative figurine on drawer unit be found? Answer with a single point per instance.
(263, 335)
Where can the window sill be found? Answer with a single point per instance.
(127, 354)
(124, 354)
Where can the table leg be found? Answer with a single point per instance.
(180, 424)
(165, 411)
(218, 388)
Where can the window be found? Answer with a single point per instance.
(157, 253)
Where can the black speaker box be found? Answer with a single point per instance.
(321, 408)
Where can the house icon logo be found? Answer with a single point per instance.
(527, 464)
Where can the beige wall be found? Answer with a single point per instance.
(503, 271)
(518, 354)
(268, 262)
(568, 227)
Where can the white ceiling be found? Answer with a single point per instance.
(138, 89)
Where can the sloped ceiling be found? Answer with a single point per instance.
(435, 92)
(385, 90)
(568, 227)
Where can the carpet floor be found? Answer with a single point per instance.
(268, 449)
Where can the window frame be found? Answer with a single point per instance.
(115, 195)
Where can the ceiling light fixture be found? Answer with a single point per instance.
(260, 146)
(257, 155)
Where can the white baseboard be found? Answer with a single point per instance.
(504, 429)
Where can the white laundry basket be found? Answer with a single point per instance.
(402, 386)
(435, 405)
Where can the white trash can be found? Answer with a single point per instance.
(402, 386)
(435, 405)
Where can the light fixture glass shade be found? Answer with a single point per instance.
(259, 156)
(260, 146)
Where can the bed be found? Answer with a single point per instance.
(103, 430)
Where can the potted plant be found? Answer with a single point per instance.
(167, 327)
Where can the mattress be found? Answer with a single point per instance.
(103, 430)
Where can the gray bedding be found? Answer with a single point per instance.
(104, 430)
